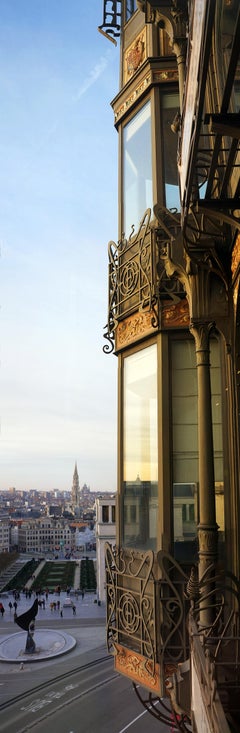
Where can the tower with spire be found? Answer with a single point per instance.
(75, 489)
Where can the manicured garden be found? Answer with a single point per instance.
(87, 575)
(54, 575)
(6, 559)
(19, 580)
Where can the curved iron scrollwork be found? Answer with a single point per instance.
(173, 608)
(154, 613)
(131, 278)
(173, 649)
(161, 709)
(131, 611)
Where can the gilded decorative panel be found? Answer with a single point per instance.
(138, 668)
(134, 56)
(134, 328)
(175, 315)
(235, 256)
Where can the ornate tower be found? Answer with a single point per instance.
(174, 326)
(75, 488)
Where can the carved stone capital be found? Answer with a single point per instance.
(208, 542)
(201, 332)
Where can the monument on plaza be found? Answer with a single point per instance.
(27, 622)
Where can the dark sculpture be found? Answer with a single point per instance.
(26, 622)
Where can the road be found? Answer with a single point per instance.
(92, 698)
(76, 693)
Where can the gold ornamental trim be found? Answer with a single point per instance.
(161, 76)
(235, 256)
(134, 328)
(135, 55)
(151, 77)
(175, 315)
(138, 668)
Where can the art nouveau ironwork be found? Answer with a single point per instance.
(112, 17)
(154, 619)
(137, 280)
(131, 276)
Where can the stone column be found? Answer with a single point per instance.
(207, 528)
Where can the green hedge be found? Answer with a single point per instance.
(6, 559)
(87, 575)
(19, 580)
(54, 574)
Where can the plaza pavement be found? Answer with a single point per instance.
(87, 626)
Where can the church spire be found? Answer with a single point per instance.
(75, 488)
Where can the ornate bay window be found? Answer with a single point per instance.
(137, 168)
(140, 449)
(173, 306)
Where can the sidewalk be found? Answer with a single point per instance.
(87, 627)
(86, 608)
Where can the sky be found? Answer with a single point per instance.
(58, 210)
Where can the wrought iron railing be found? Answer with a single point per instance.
(137, 280)
(154, 621)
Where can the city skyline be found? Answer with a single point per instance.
(58, 184)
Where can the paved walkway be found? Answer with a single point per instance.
(87, 626)
(86, 607)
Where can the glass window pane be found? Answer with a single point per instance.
(130, 7)
(217, 441)
(137, 168)
(185, 446)
(185, 449)
(170, 107)
(140, 488)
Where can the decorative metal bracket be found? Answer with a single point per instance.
(131, 278)
(112, 18)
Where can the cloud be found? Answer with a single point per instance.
(94, 74)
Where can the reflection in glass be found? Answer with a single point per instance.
(140, 487)
(170, 107)
(185, 447)
(131, 6)
(137, 168)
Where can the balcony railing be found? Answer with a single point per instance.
(154, 632)
(137, 281)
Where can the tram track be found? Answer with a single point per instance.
(63, 677)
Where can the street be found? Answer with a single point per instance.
(94, 700)
(80, 691)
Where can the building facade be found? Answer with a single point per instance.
(45, 535)
(173, 323)
(105, 531)
(4, 536)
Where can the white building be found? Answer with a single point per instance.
(105, 532)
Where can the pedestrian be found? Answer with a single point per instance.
(10, 606)
(2, 609)
(15, 606)
(61, 612)
(74, 610)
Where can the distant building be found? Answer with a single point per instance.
(55, 510)
(45, 535)
(75, 489)
(4, 536)
(105, 532)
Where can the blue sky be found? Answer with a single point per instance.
(58, 210)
